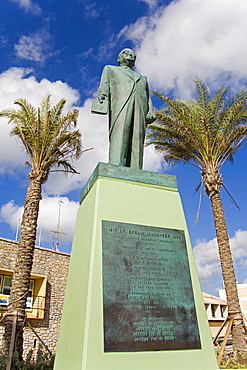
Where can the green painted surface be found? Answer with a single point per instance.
(141, 177)
(81, 339)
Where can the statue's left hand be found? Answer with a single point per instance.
(150, 118)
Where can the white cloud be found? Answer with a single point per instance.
(12, 215)
(239, 248)
(15, 84)
(207, 257)
(153, 161)
(50, 206)
(91, 11)
(192, 38)
(34, 47)
(150, 3)
(18, 83)
(28, 6)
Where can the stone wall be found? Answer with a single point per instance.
(54, 265)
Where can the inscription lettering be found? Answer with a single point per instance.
(148, 299)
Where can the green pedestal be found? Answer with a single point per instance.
(133, 299)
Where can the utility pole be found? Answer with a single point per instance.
(58, 232)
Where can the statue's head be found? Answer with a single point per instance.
(127, 57)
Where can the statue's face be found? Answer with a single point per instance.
(127, 58)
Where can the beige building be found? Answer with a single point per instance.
(46, 292)
(242, 295)
(216, 309)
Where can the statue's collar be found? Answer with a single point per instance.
(132, 74)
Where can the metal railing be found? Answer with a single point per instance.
(35, 305)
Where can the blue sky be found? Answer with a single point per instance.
(61, 47)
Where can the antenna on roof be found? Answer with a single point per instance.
(57, 232)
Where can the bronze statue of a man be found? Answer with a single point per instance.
(130, 110)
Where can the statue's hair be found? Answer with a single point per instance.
(121, 52)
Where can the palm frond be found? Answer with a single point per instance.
(203, 94)
(49, 136)
(207, 130)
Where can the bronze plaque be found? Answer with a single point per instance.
(147, 292)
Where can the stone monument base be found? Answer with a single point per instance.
(133, 299)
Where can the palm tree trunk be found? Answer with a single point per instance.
(239, 343)
(22, 272)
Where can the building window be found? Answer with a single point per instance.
(222, 310)
(7, 284)
(31, 288)
(36, 294)
(213, 309)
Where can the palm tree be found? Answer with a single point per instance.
(51, 142)
(205, 133)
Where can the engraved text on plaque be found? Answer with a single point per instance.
(148, 297)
